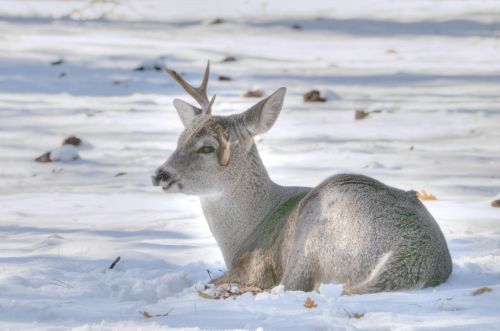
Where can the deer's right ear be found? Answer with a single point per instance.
(261, 117)
(186, 111)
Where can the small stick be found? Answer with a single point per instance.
(209, 275)
(114, 263)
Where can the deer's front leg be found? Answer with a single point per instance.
(254, 269)
(226, 278)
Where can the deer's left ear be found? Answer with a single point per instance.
(186, 111)
(261, 117)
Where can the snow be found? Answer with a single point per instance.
(430, 67)
(64, 153)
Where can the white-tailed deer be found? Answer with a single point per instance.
(349, 229)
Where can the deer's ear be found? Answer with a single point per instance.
(186, 111)
(261, 117)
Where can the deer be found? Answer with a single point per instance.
(350, 229)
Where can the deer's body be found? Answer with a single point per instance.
(350, 229)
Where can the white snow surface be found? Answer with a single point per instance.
(431, 67)
(64, 153)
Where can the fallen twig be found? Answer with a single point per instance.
(210, 275)
(114, 263)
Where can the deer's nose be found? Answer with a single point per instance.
(159, 176)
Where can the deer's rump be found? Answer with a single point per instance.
(354, 230)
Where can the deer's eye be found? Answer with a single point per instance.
(206, 149)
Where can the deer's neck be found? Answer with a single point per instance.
(235, 213)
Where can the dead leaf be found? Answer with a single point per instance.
(72, 140)
(360, 114)
(482, 290)
(148, 315)
(354, 315)
(310, 303)
(390, 51)
(423, 195)
(44, 158)
(254, 94)
(224, 78)
(313, 96)
(216, 20)
(495, 203)
(229, 59)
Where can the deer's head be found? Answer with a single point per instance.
(212, 150)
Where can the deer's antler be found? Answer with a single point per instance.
(198, 93)
(224, 145)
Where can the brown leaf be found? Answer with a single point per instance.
(229, 59)
(224, 78)
(360, 114)
(72, 140)
(216, 20)
(423, 195)
(354, 315)
(495, 203)
(148, 315)
(57, 62)
(313, 96)
(310, 303)
(44, 158)
(482, 290)
(357, 315)
(254, 94)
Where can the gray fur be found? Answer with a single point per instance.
(350, 229)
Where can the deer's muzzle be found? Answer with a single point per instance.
(160, 177)
(165, 179)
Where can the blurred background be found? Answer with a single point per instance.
(407, 92)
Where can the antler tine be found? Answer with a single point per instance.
(198, 93)
(204, 83)
(209, 108)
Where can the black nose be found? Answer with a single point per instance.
(159, 176)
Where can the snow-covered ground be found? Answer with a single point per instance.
(431, 67)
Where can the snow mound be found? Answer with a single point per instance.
(64, 153)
